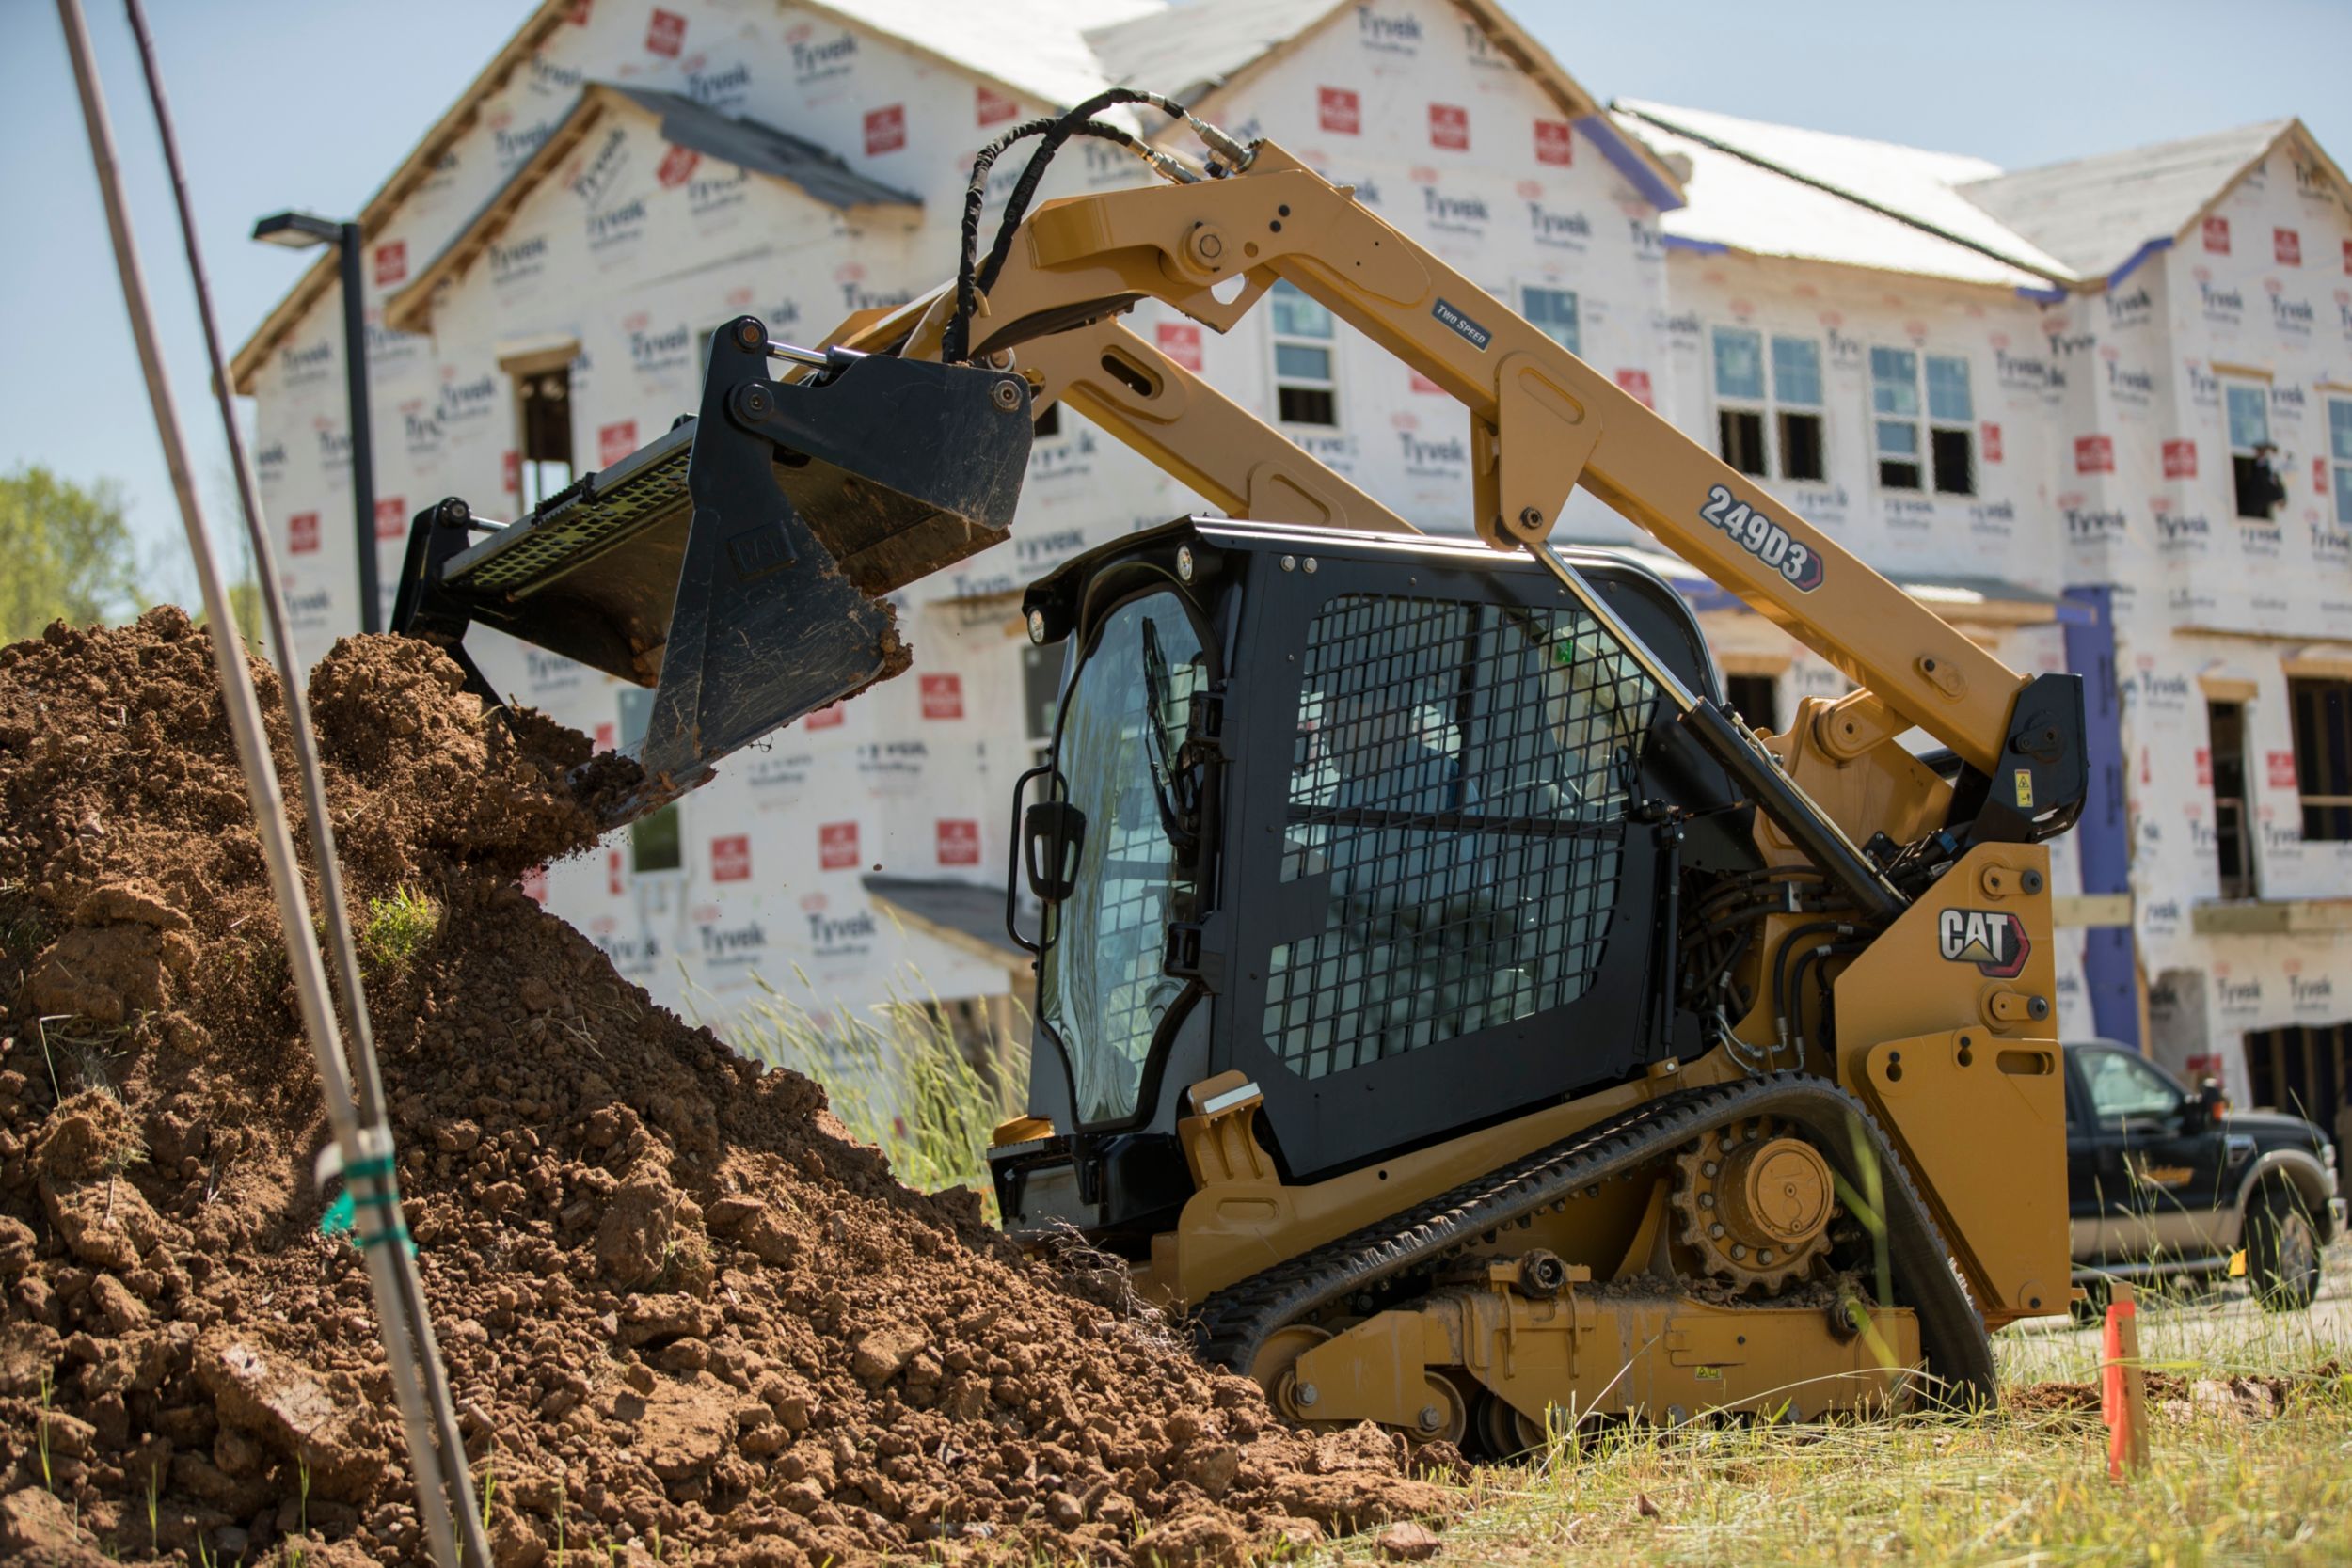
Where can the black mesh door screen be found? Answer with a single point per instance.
(1459, 783)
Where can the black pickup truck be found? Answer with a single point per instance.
(2162, 1181)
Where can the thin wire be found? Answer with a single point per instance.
(360, 1153)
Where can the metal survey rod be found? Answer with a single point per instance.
(368, 1079)
(365, 1151)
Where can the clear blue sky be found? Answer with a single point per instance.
(310, 102)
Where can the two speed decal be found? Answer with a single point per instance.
(1762, 538)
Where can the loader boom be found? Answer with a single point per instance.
(1542, 421)
(1420, 936)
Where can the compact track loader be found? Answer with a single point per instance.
(1443, 1000)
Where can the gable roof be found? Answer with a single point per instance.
(1904, 184)
(412, 171)
(2097, 213)
(1198, 48)
(1188, 51)
(1735, 204)
(1039, 47)
(1031, 47)
(761, 148)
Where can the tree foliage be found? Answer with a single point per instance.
(65, 551)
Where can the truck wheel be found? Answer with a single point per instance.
(2282, 1252)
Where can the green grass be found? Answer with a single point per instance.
(896, 1076)
(1992, 1489)
(2001, 1488)
(397, 928)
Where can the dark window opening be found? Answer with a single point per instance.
(1742, 434)
(1955, 462)
(2225, 737)
(1309, 405)
(656, 840)
(2323, 756)
(2304, 1072)
(1898, 476)
(2255, 488)
(543, 403)
(1800, 446)
(1049, 422)
(1041, 696)
(1756, 700)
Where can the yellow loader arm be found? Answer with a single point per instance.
(1542, 421)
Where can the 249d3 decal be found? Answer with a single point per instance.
(1762, 538)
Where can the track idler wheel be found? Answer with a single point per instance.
(1504, 1431)
(1754, 1203)
(1276, 1370)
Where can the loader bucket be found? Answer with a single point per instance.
(736, 564)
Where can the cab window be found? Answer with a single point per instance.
(2123, 1088)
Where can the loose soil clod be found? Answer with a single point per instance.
(683, 1314)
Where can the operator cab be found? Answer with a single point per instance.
(1387, 823)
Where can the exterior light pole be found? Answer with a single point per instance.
(302, 231)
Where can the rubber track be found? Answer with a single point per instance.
(1233, 1323)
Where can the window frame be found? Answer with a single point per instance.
(1772, 407)
(1326, 343)
(538, 478)
(1045, 672)
(1925, 424)
(2259, 389)
(2339, 455)
(633, 712)
(2327, 764)
(1576, 314)
(2232, 838)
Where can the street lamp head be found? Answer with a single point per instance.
(297, 230)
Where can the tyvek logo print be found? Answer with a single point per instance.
(1995, 943)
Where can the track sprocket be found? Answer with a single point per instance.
(1756, 1204)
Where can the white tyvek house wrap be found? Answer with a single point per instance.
(1439, 135)
(1846, 312)
(2259, 295)
(636, 268)
(916, 775)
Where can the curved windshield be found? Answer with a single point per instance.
(1100, 983)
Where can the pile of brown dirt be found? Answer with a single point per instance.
(682, 1314)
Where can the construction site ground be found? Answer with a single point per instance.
(2250, 1443)
(688, 1319)
(684, 1316)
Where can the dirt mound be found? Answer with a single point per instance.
(683, 1314)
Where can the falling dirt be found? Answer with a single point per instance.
(684, 1316)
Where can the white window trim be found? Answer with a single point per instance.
(1927, 424)
(1329, 346)
(2339, 467)
(1771, 406)
(2260, 386)
(520, 363)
